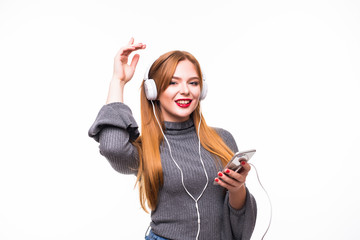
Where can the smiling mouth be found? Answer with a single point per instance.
(183, 103)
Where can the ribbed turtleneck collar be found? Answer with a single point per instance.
(179, 127)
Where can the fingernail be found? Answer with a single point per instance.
(243, 163)
(227, 171)
(216, 180)
(220, 174)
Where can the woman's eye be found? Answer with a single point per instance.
(172, 83)
(194, 83)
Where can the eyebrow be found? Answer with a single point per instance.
(192, 78)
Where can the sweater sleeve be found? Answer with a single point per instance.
(237, 224)
(115, 129)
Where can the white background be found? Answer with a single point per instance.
(283, 77)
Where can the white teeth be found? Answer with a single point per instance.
(183, 101)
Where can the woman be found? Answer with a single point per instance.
(177, 157)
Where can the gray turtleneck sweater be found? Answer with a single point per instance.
(175, 216)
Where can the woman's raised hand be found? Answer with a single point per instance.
(122, 70)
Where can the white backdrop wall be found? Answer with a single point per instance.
(283, 77)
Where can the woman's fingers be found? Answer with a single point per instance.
(123, 70)
(226, 181)
(131, 41)
(134, 61)
(125, 51)
(245, 168)
(232, 180)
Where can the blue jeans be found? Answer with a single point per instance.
(153, 236)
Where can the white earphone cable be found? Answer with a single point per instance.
(181, 172)
(257, 175)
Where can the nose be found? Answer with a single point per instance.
(184, 89)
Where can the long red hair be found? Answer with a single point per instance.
(150, 175)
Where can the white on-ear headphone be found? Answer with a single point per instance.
(151, 90)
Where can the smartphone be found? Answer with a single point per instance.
(235, 162)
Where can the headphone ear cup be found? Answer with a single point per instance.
(204, 91)
(150, 89)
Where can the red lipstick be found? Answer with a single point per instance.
(184, 103)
